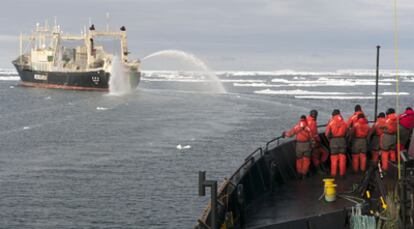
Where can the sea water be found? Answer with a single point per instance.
(74, 159)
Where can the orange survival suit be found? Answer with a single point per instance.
(359, 133)
(336, 131)
(303, 145)
(377, 131)
(319, 154)
(388, 140)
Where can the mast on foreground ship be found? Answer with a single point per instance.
(87, 66)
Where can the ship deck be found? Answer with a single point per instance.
(296, 204)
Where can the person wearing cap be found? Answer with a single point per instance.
(388, 139)
(359, 133)
(376, 133)
(304, 138)
(336, 131)
(319, 154)
(406, 127)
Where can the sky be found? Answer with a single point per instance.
(259, 35)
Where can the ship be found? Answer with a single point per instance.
(58, 60)
(265, 192)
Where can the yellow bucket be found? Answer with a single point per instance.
(330, 190)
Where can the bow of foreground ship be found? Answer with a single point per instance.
(79, 62)
(265, 192)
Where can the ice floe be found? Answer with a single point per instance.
(324, 81)
(256, 85)
(302, 92)
(241, 81)
(102, 108)
(335, 97)
(391, 93)
(180, 147)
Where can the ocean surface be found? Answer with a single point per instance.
(72, 159)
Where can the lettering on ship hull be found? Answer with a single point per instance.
(40, 77)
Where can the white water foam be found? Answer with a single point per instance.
(119, 82)
(324, 81)
(391, 93)
(218, 87)
(301, 92)
(341, 72)
(242, 81)
(408, 80)
(256, 85)
(335, 97)
(174, 80)
(9, 78)
(180, 147)
(8, 72)
(102, 108)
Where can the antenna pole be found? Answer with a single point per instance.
(376, 84)
(21, 49)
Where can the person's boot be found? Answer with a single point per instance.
(355, 163)
(334, 165)
(342, 164)
(363, 162)
(392, 155)
(384, 161)
(305, 165)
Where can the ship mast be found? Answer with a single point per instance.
(21, 49)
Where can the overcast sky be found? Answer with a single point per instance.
(307, 35)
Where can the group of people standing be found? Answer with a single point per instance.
(354, 134)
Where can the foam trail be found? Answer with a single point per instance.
(194, 60)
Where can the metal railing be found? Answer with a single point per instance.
(253, 153)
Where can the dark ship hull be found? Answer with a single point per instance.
(87, 80)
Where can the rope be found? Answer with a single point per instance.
(397, 99)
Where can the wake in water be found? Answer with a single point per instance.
(188, 57)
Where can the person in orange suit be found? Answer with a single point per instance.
(388, 139)
(354, 117)
(406, 127)
(359, 133)
(319, 154)
(304, 140)
(376, 133)
(336, 131)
